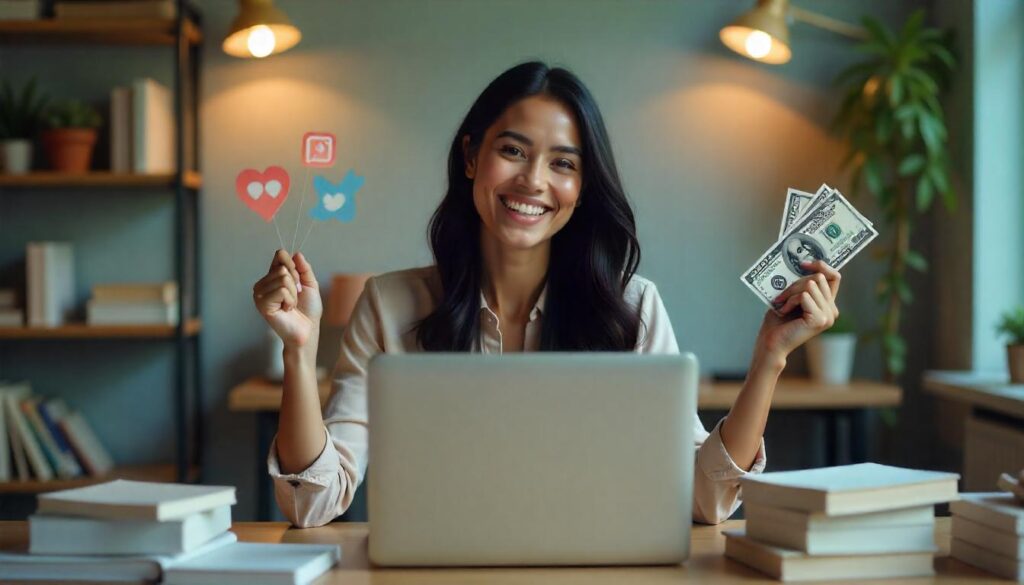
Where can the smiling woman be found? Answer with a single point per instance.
(536, 250)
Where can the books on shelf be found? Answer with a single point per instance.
(850, 489)
(988, 532)
(791, 565)
(145, 531)
(33, 452)
(848, 522)
(114, 9)
(153, 136)
(121, 136)
(19, 9)
(87, 447)
(70, 535)
(133, 304)
(50, 287)
(136, 500)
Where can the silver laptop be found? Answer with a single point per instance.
(530, 459)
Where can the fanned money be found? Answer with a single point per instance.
(824, 226)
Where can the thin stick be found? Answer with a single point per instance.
(311, 224)
(302, 203)
(278, 230)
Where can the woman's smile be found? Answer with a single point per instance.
(524, 210)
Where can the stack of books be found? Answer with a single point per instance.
(150, 532)
(43, 438)
(864, 521)
(142, 136)
(133, 304)
(10, 314)
(988, 532)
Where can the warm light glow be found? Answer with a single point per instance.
(261, 41)
(758, 44)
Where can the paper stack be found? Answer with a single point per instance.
(864, 521)
(988, 532)
(142, 531)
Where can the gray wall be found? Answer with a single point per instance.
(707, 143)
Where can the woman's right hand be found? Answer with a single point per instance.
(288, 297)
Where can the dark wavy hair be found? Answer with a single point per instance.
(593, 256)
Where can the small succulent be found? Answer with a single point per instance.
(1011, 324)
(21, 113)
(72, 114)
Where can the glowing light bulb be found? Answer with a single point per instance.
(758, 44)
(261, 41)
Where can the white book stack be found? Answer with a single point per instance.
(133, 304)
(143, 531)
(988, 532)
(863, 521)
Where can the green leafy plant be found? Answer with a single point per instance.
(21, 112)
(72, 114)
(895, 127)
(1011, 325)
(842, 324)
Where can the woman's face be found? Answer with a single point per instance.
(527, 172)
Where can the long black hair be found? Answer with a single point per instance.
(593, 256)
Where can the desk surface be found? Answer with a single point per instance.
(991, 391)
(706, 565)
(258, 394)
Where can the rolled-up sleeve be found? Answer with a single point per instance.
(716, 486)
(324, 490)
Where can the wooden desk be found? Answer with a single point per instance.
(707, 565)
(841, 407)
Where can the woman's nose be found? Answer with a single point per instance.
(533, 177)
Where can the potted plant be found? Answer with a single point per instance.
(830, 355)
(21, 114)
(1012, 326)
(895, 126)
(72, 136)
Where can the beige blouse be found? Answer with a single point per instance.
(382, 321)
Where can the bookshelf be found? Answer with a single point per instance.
(183, 35)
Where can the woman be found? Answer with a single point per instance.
(535, 249)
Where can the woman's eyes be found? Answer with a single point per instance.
(516, 151)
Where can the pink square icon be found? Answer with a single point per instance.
(318, 149)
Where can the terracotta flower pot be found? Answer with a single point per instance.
(70, 149)
(1015, 360)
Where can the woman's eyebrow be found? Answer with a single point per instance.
(517, 136)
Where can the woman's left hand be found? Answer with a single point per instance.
(808, 307)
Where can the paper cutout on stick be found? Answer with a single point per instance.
(264, 192)
(336, 201)
(319, 149)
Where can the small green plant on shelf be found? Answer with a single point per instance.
(842, 324)
(1011, 326)
(71, 137)
(21, 112)
(72, 114)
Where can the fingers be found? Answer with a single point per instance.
(281, 258)
(279, 278)
(832, 276)
(305, 271)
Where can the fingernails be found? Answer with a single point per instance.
(298, 286)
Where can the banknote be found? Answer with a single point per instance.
(831, 229)
(796, 205)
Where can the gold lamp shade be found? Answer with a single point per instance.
(260, 30)
(760, 33)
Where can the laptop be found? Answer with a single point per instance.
(530, 459)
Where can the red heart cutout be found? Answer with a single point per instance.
(255, 190)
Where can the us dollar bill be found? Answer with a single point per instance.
(796, 204)
(831, 230)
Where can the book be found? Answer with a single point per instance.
(135, 500)
(158, 292)
(69, 535)
(46, 443)
(131, 313)
(51, 412)
(105, 568)
(50, 283)
(121, 129)
(846, 541)
(5, 446)
(17, 449)
(33, 452)
(998, 510)
(19, 9)
(850, 489)
(153, 138)
(765, 514)
(86, 445)
(977, 556)
(115, 9)
(790, 565)
(12, 318)
(255, 563)
(1006, 544)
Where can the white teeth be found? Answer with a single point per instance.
(523, 208)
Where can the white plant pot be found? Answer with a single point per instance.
(830, 357)
(16, 156)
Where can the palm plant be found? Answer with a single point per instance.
(894, 124)
(21, 112)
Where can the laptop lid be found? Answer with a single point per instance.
(531, 459)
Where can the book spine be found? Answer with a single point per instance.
(42, 434)
(32, 449)
(67, 455)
